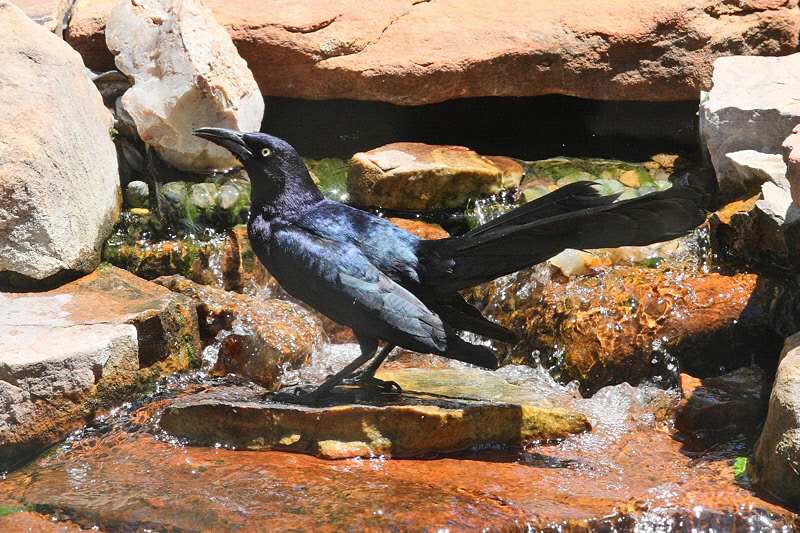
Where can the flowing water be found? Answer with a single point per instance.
(124, 474)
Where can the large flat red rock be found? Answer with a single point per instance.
(417, 52)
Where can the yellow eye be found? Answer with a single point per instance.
(265, 152)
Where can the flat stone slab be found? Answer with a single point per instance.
(68, 353)
(427, 417)
(418, 52)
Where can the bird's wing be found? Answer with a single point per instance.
(387, 247)
(338, 280)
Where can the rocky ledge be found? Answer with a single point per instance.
(418, 52)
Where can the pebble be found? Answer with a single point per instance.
(137, 194)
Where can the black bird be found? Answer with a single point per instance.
(389, 285)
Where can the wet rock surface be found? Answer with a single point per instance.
(411, 52)
(717, 407)
(438, 411)
(625, 475)
(59, 185)
(422, 177)
(776, 465)
(633, 323)
(253, 338)
(186, 73)
(72, 352)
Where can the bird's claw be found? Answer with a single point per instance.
(302, 394)
(368, 381)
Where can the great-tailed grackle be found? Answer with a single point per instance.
(389, 285)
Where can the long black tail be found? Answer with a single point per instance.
(574, 216)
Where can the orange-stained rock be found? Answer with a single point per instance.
(633, 323)
(411, 52)
(423, 177)
(257, 337)
(70, 353)
(420, 228)
(625, 476)
(733, 403)
(35, 522)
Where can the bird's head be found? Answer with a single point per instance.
(272, 164)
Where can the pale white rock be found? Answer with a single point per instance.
(59, 183)
(65, 360)
(791, 156)
(776, 201)
(758, 167)
(186, 73)
(776, 464)
(752, 105)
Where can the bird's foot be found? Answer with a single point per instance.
(298, 394)
(369, 381)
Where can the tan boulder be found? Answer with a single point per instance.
(412, 52)
(59, 181)
(423, 177)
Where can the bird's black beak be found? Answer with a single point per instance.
(230, 139)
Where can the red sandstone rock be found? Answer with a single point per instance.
(734, 402)
(630, 323)
(417, 52)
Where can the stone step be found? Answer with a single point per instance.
(440, 410)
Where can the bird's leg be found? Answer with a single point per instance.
(368, 349)
(367, 376)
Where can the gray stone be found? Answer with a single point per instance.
(791, 155)
(776, 464)
(752, 105)
(186, 73)
(59, 183)
(137, 194)
(45, 361)
(765, 228)
(758, 167)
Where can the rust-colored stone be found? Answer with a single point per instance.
(146, 330)
(419, 228)
(165, 322)
(264, 334)
(630, 323)
(733, 403)
(411, 52)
